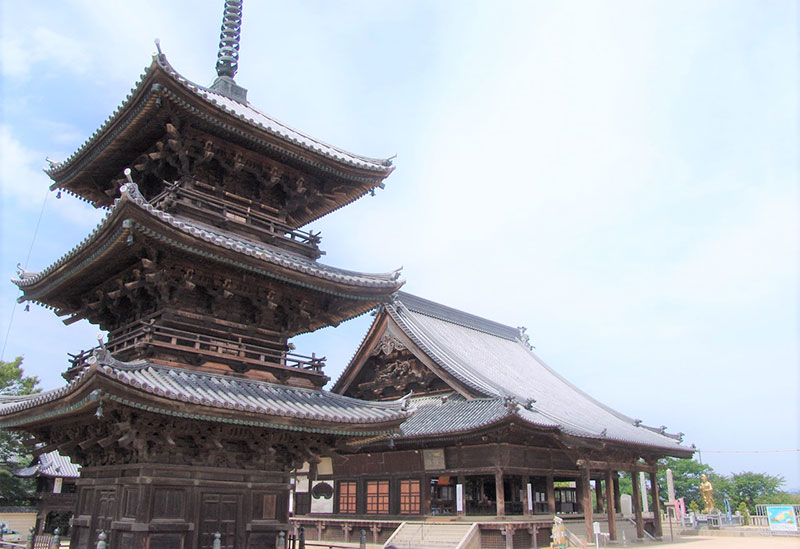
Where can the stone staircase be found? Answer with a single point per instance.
(626, 530)
(428, 535)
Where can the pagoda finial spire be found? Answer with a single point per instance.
(228, 56)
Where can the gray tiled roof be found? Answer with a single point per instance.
(51, 464)
(243, 111)
(258, 250)
(258, 401)
(436, 415)
(481, 355)
(454, 316)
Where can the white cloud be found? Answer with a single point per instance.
(40, 49)
(23, 185)
(20, 182)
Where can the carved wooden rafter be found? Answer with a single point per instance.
(153, 284)
(185, 153)
(127, 436)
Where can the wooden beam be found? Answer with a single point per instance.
(44, 449)
(88, 442)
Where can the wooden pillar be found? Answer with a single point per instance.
(612, 511)
(500, 495)
(426, 494)
(637, 504)
(462, 481)
(551, 494)
(617, 495)
(533, 530)
(656, 505)
(509, 532)
(598, 495)
(525, 499)
(586, 500)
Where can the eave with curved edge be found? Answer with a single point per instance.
(160, 93)
(132, 218)
(198, 396)
(492, 377)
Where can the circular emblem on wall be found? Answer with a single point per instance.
(322, 490)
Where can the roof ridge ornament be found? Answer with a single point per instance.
(228, 54)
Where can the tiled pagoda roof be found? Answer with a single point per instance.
(492, 361)
(259, 256)
(51, 464)
(203, 396)
(229, 116)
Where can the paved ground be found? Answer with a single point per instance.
(700, 542)
(726, 542)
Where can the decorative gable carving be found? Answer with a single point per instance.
(393, 371)
(387, 345)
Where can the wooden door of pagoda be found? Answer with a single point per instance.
(104, 515)
(220, 513)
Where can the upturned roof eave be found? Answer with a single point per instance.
(514, 417)
(161, 79)
(98, 383)
(130, 213)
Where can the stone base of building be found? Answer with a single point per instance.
(174, 507)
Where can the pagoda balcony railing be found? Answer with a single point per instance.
(143, 334)
(255, 218)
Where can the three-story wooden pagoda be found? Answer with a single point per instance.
(188, 418)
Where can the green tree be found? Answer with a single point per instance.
(686, 479)
(780, 498)
(13, 453)
(748, 488)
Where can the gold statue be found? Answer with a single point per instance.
(707, 491)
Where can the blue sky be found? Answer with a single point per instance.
(619, 177)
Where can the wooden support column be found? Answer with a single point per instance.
(637, 505)
(586, 499)
(462, 480)
(500, 495)
(656, 505)
(551, 494)
(426, 494)
(533, 530)
(525, 500)
(598, 495)
(612, 511)
(617, 495)
(509, 533)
